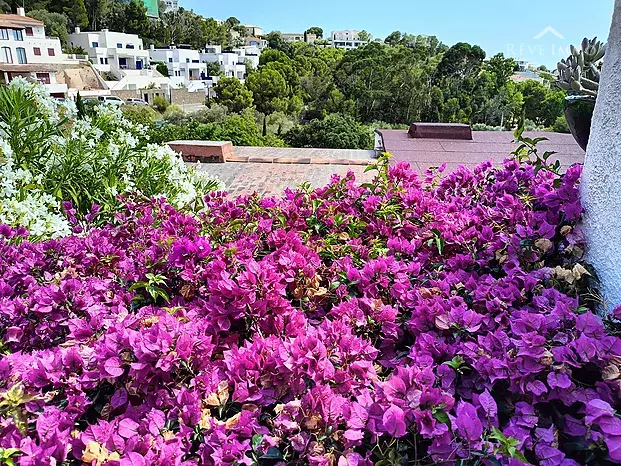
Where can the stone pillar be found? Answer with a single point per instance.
(601, 180)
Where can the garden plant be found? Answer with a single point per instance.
(443, 319)
(52, 152)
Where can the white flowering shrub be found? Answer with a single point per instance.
(23, 203)
(51, 153)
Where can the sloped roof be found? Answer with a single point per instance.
(8, 20)
(270, 170)
(485, 145)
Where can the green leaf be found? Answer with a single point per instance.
(441, 417)
(257, 439)
(456, 363)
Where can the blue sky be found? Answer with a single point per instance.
(496, 25)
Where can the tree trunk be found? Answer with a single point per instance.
(601, 179)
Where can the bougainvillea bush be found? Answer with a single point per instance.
(406, 321)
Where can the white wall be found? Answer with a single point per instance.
(49, 49)
(112, 47)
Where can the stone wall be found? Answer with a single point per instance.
(183, 97)
(180, 97)
(146, 94)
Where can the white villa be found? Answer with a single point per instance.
(232, 63)
(112, 51)
(347, 39)
(26, 52)
(182, 62)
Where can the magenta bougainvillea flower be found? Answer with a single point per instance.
(407, 321)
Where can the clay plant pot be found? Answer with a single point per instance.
(578, 113)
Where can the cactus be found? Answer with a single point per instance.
(579, 73)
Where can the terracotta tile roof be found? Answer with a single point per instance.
(270, 170)
(30, 67)
(17, 21)
(271, 179)
(485, 145)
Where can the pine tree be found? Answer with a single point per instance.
(76, 12)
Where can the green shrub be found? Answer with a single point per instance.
(336, 131)
(530, 125)
(241, 130)
(484, 127)
(215, 113)
(160, 103)
(162, 133)
(161, 68)
(270, 140)
(140, 114)
(560, 125)
(50, 154)
(175, 115)
(384, 125)
(279, 123)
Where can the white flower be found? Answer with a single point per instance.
(107, 149)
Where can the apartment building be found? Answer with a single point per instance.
(26, 52)
(232, 63)
(112, 51)
(253, 41)
(182, 61)
(171, 5)
(293, 36)
(347, 39)
(254, 31)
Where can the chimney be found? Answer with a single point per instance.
(152, 47)
(21, 11)
(77, 30)
(440, 131)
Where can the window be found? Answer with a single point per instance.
(187, 60)
(43, 78)
(29, 31)
(119, 46)
(17, 34)
(101, 61)
(21, 55)
(51, 52)
(129, 46)
(170, 60)
(36, 51)
(4, 34)
(7, 56)
(94, 44)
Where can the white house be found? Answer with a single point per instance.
(23, 41)
(347, 39)
(26, 52)
(112, 51)
(232, 63)
(293, 36)
(253, 41)
(181, 61)
(253, 31)
(172, 5)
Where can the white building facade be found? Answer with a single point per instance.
(171, 5)
(347, 39)
(181, 62)
(232, 63)
(112, 51)
(26, 52)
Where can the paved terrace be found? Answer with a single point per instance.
(270, 170)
